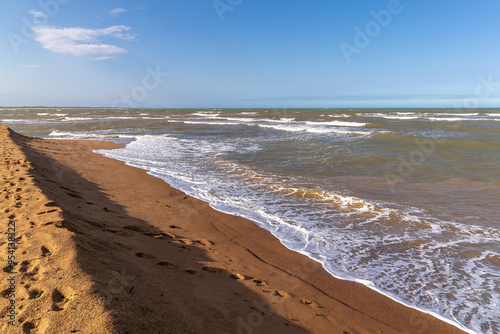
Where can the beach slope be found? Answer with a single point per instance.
(102, 247)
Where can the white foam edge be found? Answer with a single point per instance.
(72, 135)
(454, 322)
(336, 123)
(454, 119)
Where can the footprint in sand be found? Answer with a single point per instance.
(186, 241)
(154, 235)
(48, 211)
(28, 327)
(193, 272)
(311, 303)
(124, 234)
(283, 294)
(59, 299)
(144, 255)
(5, 293)
(35, 293)
(214, 270)
(45, 251)
(259, 282)
(34, 272)
(35, 326)
(59, 224)
(111, 230)
(4, 312)
(24, 266)
(30, 270)
(237, 276)
(134, 228)
(205, 242)
(8, 269)
(75, 195)
(166, 264)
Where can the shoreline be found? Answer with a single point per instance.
(365, 283)
(130, 222)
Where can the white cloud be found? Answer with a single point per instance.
(117, 11)
(82, 42)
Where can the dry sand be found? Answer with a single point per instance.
(102, 247)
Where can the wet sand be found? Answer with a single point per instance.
(102, 247)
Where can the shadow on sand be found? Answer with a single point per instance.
(149, 281)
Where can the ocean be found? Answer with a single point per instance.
(405, 201)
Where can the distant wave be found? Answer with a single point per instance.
(26, 121)
(312, 129)
(86, 135)
(210, 123)
(70, 119)
(401, 117)
(456, 119)
(206, 114)
(452, 114)
(15, 120)
(280, 120)
(337, 123)
(340, 115)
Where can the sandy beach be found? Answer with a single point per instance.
(102, 247)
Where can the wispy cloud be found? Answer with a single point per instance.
(37, 13)
(117, 11)
(82, 42)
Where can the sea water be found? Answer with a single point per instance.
(405, 201)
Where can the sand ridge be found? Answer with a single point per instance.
(115, 250)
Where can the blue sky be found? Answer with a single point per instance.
(250, 53)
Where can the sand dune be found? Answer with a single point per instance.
(102, 247)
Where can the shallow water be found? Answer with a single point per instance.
(403, 200)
